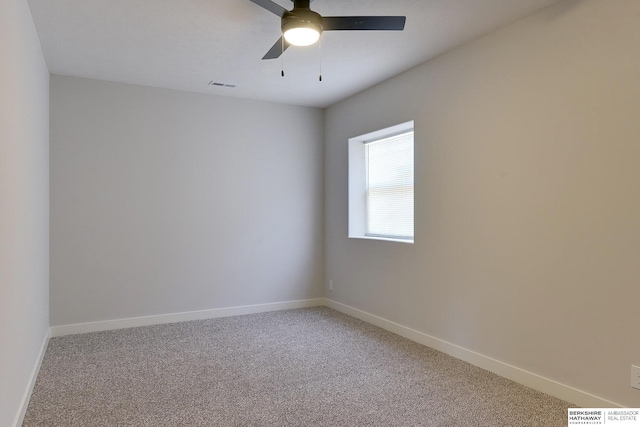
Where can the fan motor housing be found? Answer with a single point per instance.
(301, 18)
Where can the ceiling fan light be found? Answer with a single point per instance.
(301, 26)
(301, 36)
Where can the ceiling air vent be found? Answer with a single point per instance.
(212, 83)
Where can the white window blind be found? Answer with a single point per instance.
(389, 187)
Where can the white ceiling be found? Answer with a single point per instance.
(186, 44)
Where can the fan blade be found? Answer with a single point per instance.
(374, 23)
(271, 7)
(276, 50)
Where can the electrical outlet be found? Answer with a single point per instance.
(635, 376)
(330, 285)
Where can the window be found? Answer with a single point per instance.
(381, 184)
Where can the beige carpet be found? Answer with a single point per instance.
(308, 367)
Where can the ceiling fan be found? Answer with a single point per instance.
(302, 27)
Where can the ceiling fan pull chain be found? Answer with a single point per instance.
(282, 57)
(320, 54)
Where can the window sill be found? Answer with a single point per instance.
(386, 239)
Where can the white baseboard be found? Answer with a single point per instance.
(106, 325)
(505, 370)
(26, 396)
(521, 376)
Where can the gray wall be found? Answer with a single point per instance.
(527, 204)
(24, 204)
(165, 201)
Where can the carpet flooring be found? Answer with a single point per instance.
(307, 367)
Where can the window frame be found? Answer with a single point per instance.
(357, 181)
